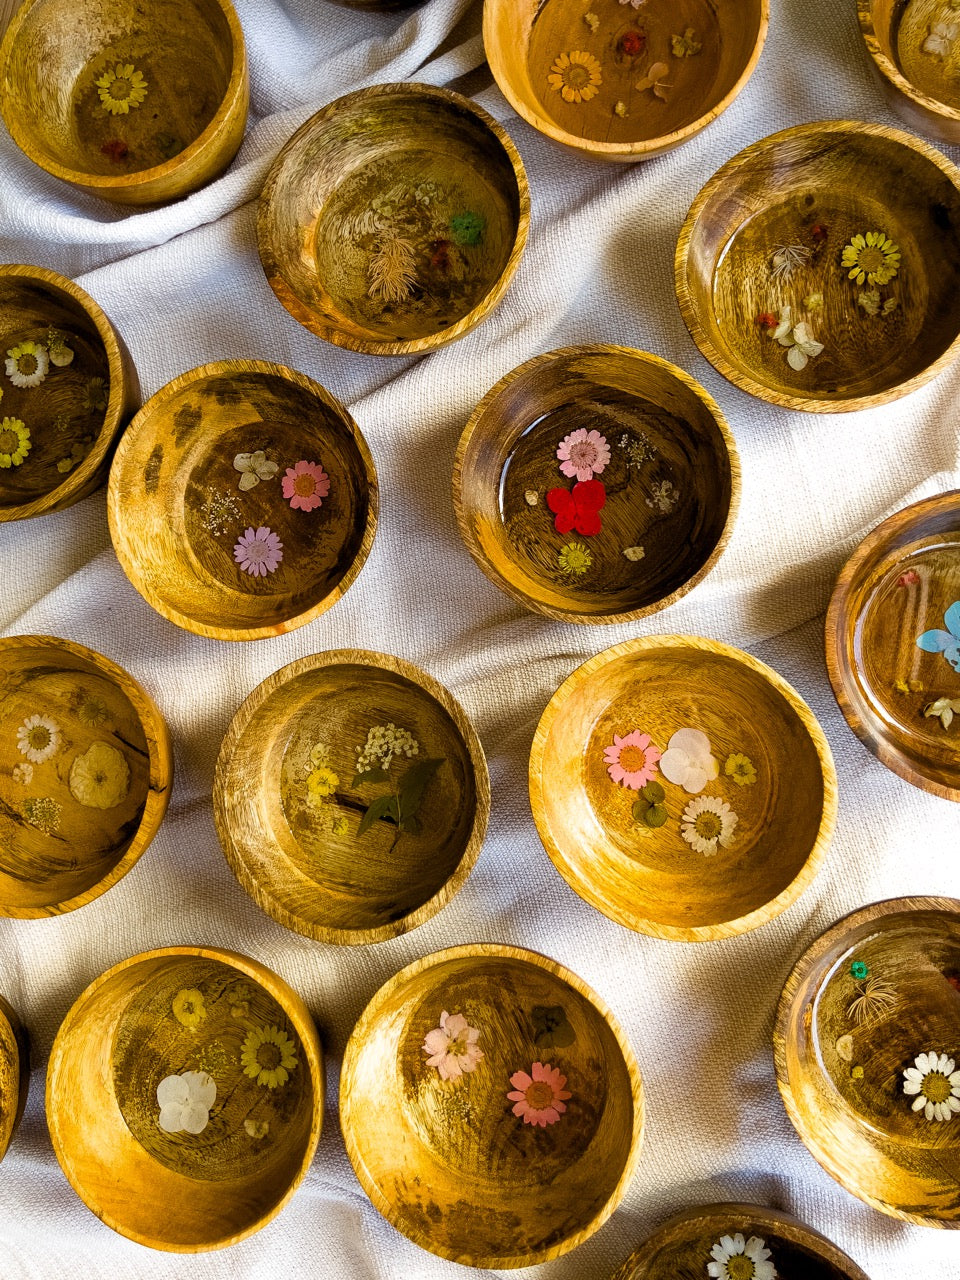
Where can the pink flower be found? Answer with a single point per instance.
(306, 485)
(632, 760)
(908, 579)
(452, 1046)
(259, 551)
(583, 453)
(538, 1097)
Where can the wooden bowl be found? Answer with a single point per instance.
(393, 220)
(686, 837)
(767, 248)
(86, 769)
(652, 447)
(491, 1106)
(919, 84)
(242, 500)
(14, 1073)
(901, 698)
(135, 103)
(57, 430)
(877, 991)
(223, 1147)
(312, 836)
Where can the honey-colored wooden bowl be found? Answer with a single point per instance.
(86, 769)
(901, 697)
(491, 1106)
(242, 500)
(691, 837)
(135, 103)
(596, 484)
(766, 254)
(185, 1097)
(14, 1073)
(393, 220)
(866, 1043)
(65, 392)
(323, 837)
(912, 46)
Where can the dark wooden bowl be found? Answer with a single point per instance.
(919, 84)
(14, 1074)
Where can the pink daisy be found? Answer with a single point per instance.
(306, 485)
(538, 1097)
(452, 1046)
(583, 453)
(632, 760)
(259, 551)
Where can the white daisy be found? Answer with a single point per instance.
(737, 1259)
(707, 822)
(27, 364)
(38, 738)
(936, 1085)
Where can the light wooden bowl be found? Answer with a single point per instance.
(71, 73)
(86, 769)
(877, 991)
(393, 220)
(773, 795)
(774, 228)
(14, 1074)
(456, 1163)
(74, 413)
(289, 798)
(670, 487)
(202, 493)
(920, 85)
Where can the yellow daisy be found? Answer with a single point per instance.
(574, 558)
(871, 257)
(321, 783)
(576, 76)
(121, 89)
(189, 1008)
(740, 769)
(14, 442)
(268, 1056)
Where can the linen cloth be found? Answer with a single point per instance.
(183, 285)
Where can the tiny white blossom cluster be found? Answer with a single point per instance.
(384, 741)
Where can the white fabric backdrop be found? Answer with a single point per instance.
(184, 286)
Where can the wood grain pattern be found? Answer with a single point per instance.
(14, 1073)
(919, 87)
(815, 187)
(447, 1162)
(7, 9)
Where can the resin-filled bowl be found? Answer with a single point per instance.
(765, 256)
(893, 643)
(14, 1073)
(185, 1097)
(86, 769)
(866, 1043)
(393, 220)
(657, 456)
(912, 45)
(68, 387)
(491, 1106)
(351, 796)
(242, 500)
(135, 103)
(690, 836)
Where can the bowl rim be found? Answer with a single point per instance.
(690, 312)
(557, 355)
(20, 1065)
(640, 923)
(117, 505)
(892, 73)
(273, 269)
(348, 1071)
(292, 1005)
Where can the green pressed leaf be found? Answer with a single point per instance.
(382, 807)
(655, 816)
(653, 792)
(410, 825)
(371, 775)
(639, 810)
(414, 783)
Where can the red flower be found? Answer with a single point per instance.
(908, 579)
(440, 254)
(819, 232)
(116, 150)
(633, 42)
(577, 508)
(767, 320)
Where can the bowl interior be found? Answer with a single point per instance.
(924, 53)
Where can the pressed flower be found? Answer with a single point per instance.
(819, 232)
(685, 46)
(391, 273)
(813, 302)
(78, 451)
(874, 998)
(339, 826)
(688, 761)
(576, 76)
(871, 257)
(889, 306)
(801, 344)
(620, 109)
(27, 364)
(634, 553)
(185, 1102)
(42, 812)
(767, 320)
(189, 1007)
(740, 769)
(531, 497)
(856, 1073)
(908, 579)
(15, 442)
(23, 773)
(737, 1259)
(60, 354)
(844, 1048)
(100, 778)
(664, 496)
(632, 759)
(116, 149)
(633, 43)
(591, 20)
(859, 970)
(452, 1047)
(321, 784)
(268, 1056)
(638, 448)
(944, 708)
(786, 258)
(253, 468)
(121, 89)
(258, 552)
(384, 741)
(942, 35)
(219, 512)
(92, 712)
(95, 395)
(654, 80)
(468, 227)
(934, 1085)
(539, 1098)
(38, 738)
(256, 1128)
(869, 300)
(574, 558)
(583, 454)
(706, 823)
(945, 642)
(319, 755)
(305, 485)
(578, 508)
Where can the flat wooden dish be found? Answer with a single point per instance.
(66, 391)
(646, 444)
(136, 103)
(692, 837)
(14, 1073)
(242, 500)
(393, 220)
(913, 48)
(491, 1106)
(765, 256)
(351, 796)
(622, 83)
(185, 1097)
(866, 1041)
(86, 769)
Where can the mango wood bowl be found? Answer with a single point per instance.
(819, 269)
(596, 484)
(67, 387)
(912, 46)
(351, 796)
(185, 1097)
(14, 1073)
(242, 500)
(682, 788)
(491, 1106)
(135, 103)
(866, 1044)
(85, 774)
(393, 220)
(893, 643)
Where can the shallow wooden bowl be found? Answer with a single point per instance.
(776, 228)
(875, 993)
(619, 815)
(242, 500)
(135, 103)
(914, 49)
(85, 774)
(59, 420)
(393, 220)
(667, 475)
(241, 1116)
(14, 1073)
(491, 1106)
(303, 804)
